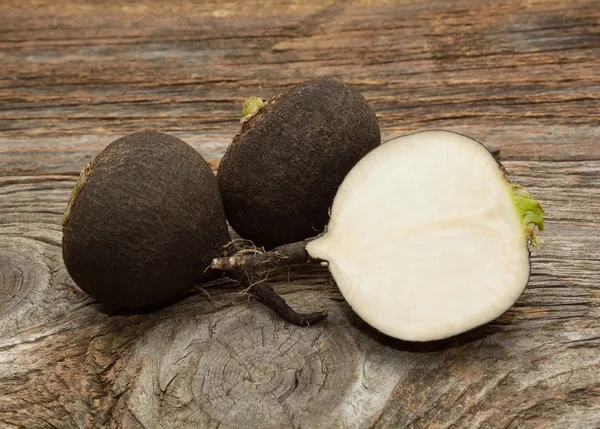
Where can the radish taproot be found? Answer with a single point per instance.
(427, 238)
(281, 171)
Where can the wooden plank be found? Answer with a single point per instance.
(125, 368)
(519, 76)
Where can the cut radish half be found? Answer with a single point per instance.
(428, 238)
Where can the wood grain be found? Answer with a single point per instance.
(520, 76)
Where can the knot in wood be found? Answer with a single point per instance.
(243, 368)
(23, 277)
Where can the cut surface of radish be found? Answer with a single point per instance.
(426, 239)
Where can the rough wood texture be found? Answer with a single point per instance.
(521, 76)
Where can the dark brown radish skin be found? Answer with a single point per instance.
(144, 222)
(282, 170)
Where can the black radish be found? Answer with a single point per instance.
(282, 170)
(144, 221)
(427, 238)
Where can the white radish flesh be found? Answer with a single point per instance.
(426, 239)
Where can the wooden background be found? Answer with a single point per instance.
(520, 76)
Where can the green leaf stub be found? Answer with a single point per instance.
(532, 214)
(251, 106)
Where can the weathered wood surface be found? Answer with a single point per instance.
(521, 76)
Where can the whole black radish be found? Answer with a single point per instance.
(282, 170)
(144, 221)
